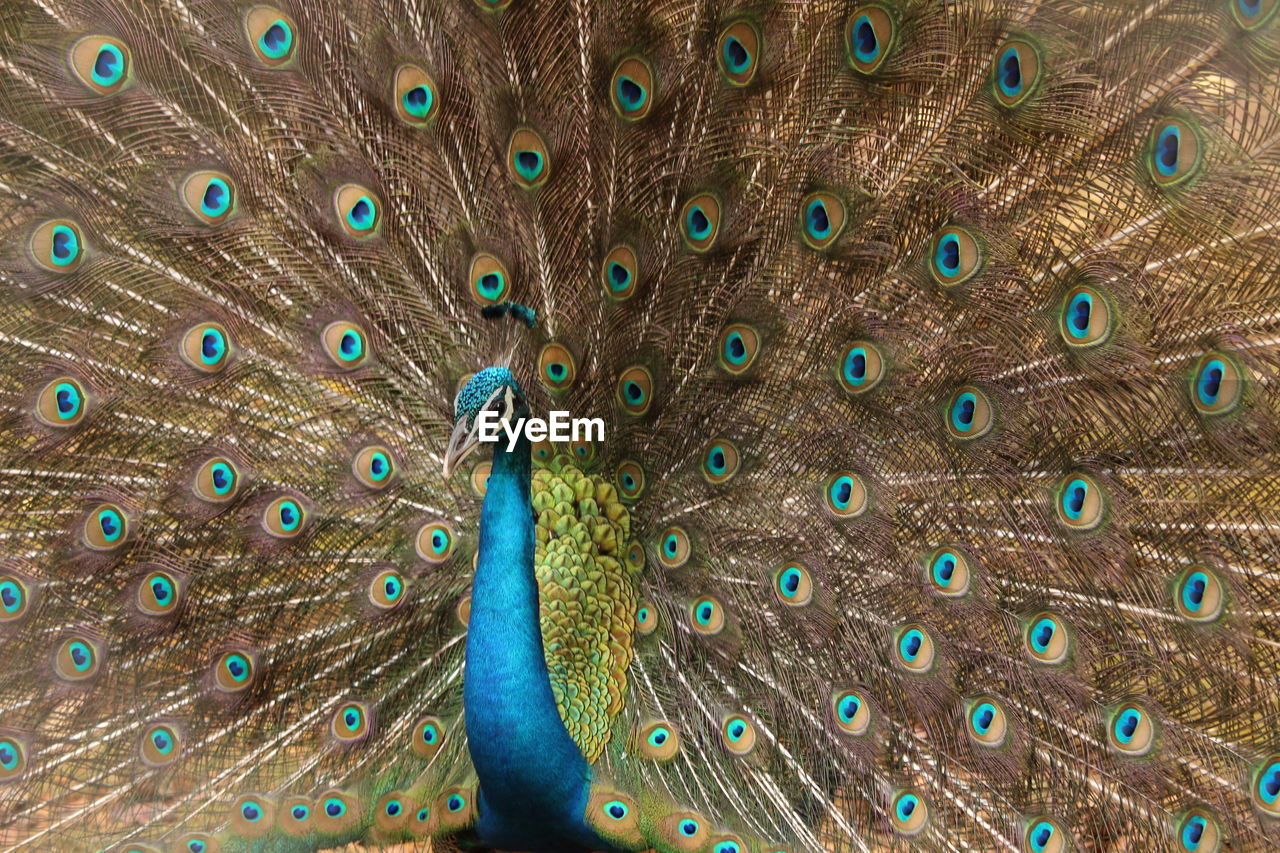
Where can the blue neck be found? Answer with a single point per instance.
(533, 778)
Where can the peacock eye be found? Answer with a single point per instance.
(1199, 831)
(57, 245)
(955, 256)
(101, 63)
(739, 52)
(1174, 152)
(869, 36)
(909, 813)
(631, 89)
(1044, 835)
(1251, 14)
(1016, 72)
(271, 35)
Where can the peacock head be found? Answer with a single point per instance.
(493, 388)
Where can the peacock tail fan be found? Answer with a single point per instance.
(934, 344)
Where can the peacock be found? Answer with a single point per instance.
(923, 484)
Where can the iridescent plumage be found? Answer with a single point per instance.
(935, 345)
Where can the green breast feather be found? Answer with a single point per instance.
(588, 597)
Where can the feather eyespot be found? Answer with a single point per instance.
(738, 52)
(1132, 731)
(57, 246)
(271, 35)
(13, 758)
(210, 196)
(77, 659)
(1266, 787)
(1081, 503)
(845, 495)
(987, 722)
(61, 403)
(646, 619)
(415, 95)
(869, 37)
(631, 89)
(206, 347)
(634, 557)
(1047, 639)
(198, 842)
(1251, 14)
(949, 572)
(252, 816)
(659, 740)
(1174, 152)
(15, 598)
(434, 542)
(421, 822)
(955, 256)
(295, 816)
(707, 616)
(479, 478)
(350, 722)
(861, 367)
(106, 528)
(970, 414)
(635, 390)
(823, 217)
(1086, 319)
(456, 807)
(284, 518)
(335, 811)
(700, 221)
(630, 479)
(1199, 831)
(161, 744)
(543, 450)
(909, 813)
(528, 158)
(685, 831)
(914, 649)
(346, 344)
(391, 811)
(739, 346)
(217, 480)
(1016, 72)
(234, 671)
(616, 817)
(720, 461)
(159, 594)
(1217, 384)
(620, 273)
(387, 589)
(793, 585)
(490, 281)
(738, 734)
(852, 712)
(1044, 835)
(556, 367)
(728, 844)
(358, 209)
(101, 63)
(374, 467)
(674, 548)
(1199, 595)
(428, 736)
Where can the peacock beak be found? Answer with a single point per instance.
(464, 440)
